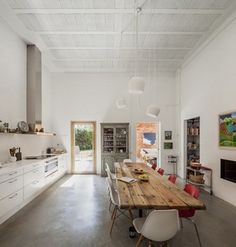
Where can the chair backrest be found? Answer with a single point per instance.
(127, 161)
(154, 166)
(172, 178)
(192, 190)
(161, 171)
(108, 167)
(161, 225)
(111, 190)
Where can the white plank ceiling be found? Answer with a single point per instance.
(99, 35)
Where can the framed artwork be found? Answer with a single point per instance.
(168, 135)
(168, 145)
(227, 130)
(149, 138)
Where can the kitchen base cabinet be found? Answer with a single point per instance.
(11, 202)
(21, 185)
(10, 186)
(33, 188)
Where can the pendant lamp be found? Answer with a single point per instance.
(121, 103)
(153, 111)
(136, 85)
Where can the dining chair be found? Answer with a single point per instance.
(172, 178)
(115, 202)
(161, 171)
(109, 173)
(159, 226)
(127, 161)
(154, 166)
(189, 213)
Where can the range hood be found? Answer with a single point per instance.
(34, 90)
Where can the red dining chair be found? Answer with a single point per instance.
(189, 213)
(172, 178)
(154, 166)
(161, 171)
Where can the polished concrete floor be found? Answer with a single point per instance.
(74, 213)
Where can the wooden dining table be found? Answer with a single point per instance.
(157, 193)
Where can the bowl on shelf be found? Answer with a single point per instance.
(195, 165)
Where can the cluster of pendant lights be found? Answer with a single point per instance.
(137, 84)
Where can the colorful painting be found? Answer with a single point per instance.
(227, 130)
(149, 138)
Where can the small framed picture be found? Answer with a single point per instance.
(168, 135)
(168, 145)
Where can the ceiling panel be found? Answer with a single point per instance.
(175, 22)
(188, 4)
(106, 4)
(157, 40)
(75, 40)
(99, 34)
(65, 22)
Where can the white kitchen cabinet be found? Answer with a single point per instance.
(10, 202)
(10, 186)
(11, 174)
(22, 184)
(33, 188)
(62, 163)
(34, 175)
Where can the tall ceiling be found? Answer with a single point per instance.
(99, 35)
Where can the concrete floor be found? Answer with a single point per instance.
(74, 212)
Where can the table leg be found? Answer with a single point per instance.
(140, 213)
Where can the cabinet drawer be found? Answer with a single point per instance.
(10, 202)
(33, 166)
(10, 186)
(11, 174)
(33, 175)
(33, 187)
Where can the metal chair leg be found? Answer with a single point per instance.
(113, 219)
(198, 236)
(196, 229)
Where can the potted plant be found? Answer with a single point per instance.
(231, 126)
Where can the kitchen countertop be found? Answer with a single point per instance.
(22, 163)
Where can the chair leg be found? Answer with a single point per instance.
(113, 219)
(198, 236)
(139, 240)
(131, 215)
(110, 206)
(149, 243)
(181, 223)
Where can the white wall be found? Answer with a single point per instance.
(91, 97)
(13, 94)
(208, 86)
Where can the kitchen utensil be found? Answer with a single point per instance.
(23, 126)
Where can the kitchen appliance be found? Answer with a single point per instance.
(39, 157)
(50, 150)
(51, 166)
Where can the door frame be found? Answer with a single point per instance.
(72, 125)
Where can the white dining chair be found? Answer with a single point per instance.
(109, 173)
(159, 226)
(115, 202)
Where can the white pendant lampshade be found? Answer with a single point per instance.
(136, 85)
(121, 103)
(153, 111)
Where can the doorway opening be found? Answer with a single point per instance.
(148, 143)
(83, 147)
